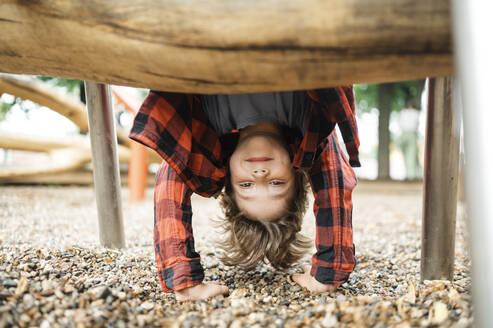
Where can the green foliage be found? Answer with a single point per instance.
(366, 96)
(6, 106)
(72, 86)
(143, 93)
(405, 93)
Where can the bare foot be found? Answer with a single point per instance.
(306, 280)
(201, 292)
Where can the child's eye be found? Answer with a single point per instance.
(246, 184)
(276, 182)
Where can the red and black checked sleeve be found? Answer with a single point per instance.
(339, 107)
(332, 180)
(177, 261)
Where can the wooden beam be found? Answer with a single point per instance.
(74, 110)
(41, 94)
(78, 177)
(65, 155)
(223, 46)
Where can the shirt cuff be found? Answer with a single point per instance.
(181, 276)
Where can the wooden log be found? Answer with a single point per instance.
(78, 177)
(65, 155)
(72, 109)
(62, 160)
(43, 95)
(18, 141)
(223, 46)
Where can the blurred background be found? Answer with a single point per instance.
(41, 115)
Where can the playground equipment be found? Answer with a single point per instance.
(72, 153)
(224, 46)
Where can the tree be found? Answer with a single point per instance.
(387, 97)
(384, 109)
(73, 87)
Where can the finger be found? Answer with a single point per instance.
(307, 268)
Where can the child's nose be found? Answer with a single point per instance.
(260, 172)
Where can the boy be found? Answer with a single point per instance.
(255, 150)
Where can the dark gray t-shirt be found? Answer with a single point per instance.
(236, 111)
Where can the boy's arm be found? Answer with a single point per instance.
(332, 180)
(339, 108)
(178, 263)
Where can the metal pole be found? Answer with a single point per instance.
(106, 165)
(472, 26)
(440, 185)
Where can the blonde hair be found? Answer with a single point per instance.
(279, 241)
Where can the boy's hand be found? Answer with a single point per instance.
(201, 292)
(306, 280)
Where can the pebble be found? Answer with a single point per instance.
(57, 275)
(100, 291)
(9, 283)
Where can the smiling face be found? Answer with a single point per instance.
(262, 177)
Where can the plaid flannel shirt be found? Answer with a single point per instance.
(195, 160)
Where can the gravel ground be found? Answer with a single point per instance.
(54, 274)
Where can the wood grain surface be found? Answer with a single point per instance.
(224, 46)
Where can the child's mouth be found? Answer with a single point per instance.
(259, 159)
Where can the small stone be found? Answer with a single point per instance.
(4, 296)
(100, 292)
(340, 298)
(24, 318)
(330, 321)
(147, 305)
(438, 313)
(28, 300)
(22, 286)
(9, 283)
(68, 289)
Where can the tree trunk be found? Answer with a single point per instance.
(384, 108)
(223, 46)
(415, 101)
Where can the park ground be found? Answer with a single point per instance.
(53, 273)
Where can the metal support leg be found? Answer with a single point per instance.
(473, 23)
(106, 165)
(440, 185)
